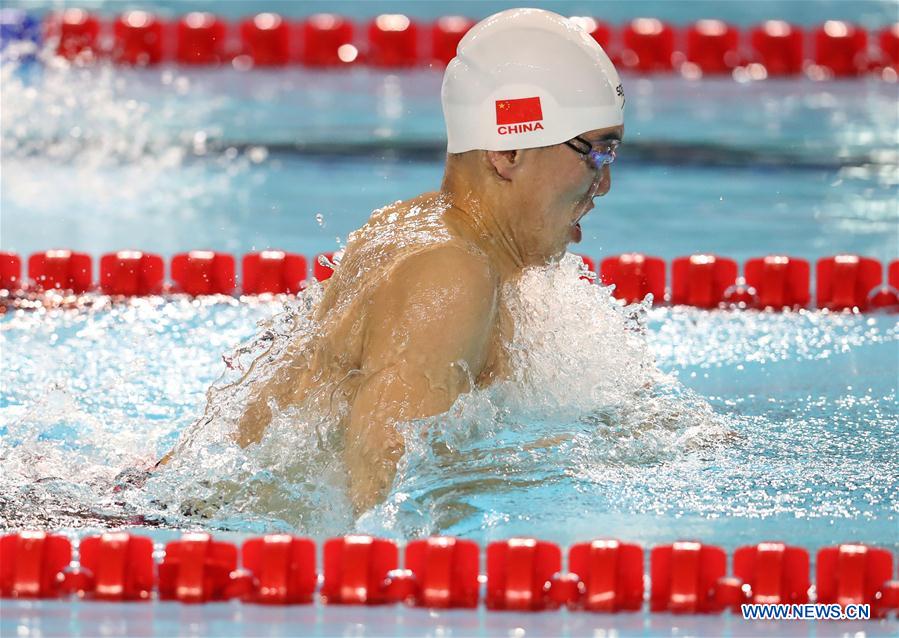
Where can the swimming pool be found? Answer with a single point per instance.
(759, 425)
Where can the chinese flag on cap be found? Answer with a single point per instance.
(526, 109)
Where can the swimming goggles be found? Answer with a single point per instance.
(599, 156)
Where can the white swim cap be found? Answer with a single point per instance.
(525, 78)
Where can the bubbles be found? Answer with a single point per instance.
(591, 433)
(114, 143)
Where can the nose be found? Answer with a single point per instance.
(603, 182)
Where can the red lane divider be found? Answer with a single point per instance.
(282, 569)
(778, 46)
(779, 281)
(855, 574)
(444, 571)
(611, 574)
(844, 281)
(889, 45)
(114, 566)
(200, 39)
(840, 47)
(701, 280)
(138, 39)
(774, 573)
(266, 39)
(61, 269)
(644, 45)
(203, 272)
(519, 572)
(685, 576)
(773, 282)
(393, 41)
(713, 46)
(197, 569)
(77, 32)
(10, 271)
(523, 574)
(30, 563)
(356, 569)
(273, 271)
(131, 273)
(647, 46)
(328, 41)
(634, 276)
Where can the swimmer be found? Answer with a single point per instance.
(412, 316)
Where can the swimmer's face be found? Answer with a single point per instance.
(553, 189)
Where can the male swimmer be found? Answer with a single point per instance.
(412, 316)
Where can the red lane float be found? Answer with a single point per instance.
(77, 32)
(131, 273)
(203, 272)
(840, 47)
(635, 276)
(518, 571)
(889, 45)
(685, 576)
(328, 41)
(647, 46)
(282, 569)
(273, 271)
(778, 46)
(773, 573)
(61, 269)
(356, 569)
(10, 271)
(445, 572)
(114, 566)
(844, 281)
(522, 574)
(393, 41)
(446, 33)
(701, 280)
(266, 39)
(611, 573)
(137, 39)
(200, 39)
(197, 569)
(713, 46)
(779, 281)
(854, 575)
(30, 564)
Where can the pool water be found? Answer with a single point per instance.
(647, 424)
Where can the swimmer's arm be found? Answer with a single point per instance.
(427, 337)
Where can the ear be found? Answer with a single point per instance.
(505, 163)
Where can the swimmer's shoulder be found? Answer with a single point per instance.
(453, 267)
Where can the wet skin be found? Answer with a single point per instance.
(412, 316)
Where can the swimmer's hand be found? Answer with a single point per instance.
(428, 329)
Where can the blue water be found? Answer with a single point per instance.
(800, 167)
(773, 426)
